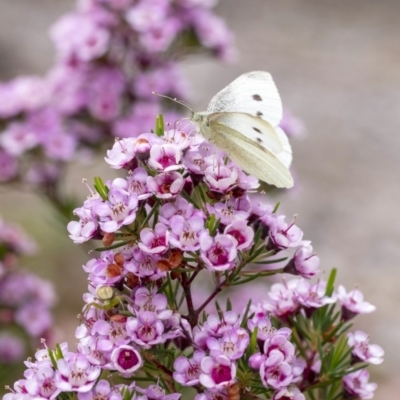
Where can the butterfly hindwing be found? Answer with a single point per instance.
(256, 161)
(286, 154)
(253, 93)
(258, 131)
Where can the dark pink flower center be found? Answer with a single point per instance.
(166, 160)
(238, 236)
(127, 359)
(147, 333)
(158, 241)
(193, 372)
(221, 373)
(218, 255)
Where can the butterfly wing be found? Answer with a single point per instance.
(285, 156)
(253, 129)
(253, 93)
(249, 155)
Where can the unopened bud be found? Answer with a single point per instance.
(108, 239)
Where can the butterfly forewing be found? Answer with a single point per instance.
(256, 161)
(258, 131)
(253, 93)
(285, 156)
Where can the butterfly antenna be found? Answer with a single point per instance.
(182, 103)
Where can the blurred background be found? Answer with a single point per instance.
(336, 65)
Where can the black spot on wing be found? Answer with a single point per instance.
(259, 114)
(256, 129)
(259, 140)
(257, 97)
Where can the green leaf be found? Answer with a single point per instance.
(101, 188)
(228, 304)
(52, 358)
(245, 315)
(58, 353)
(276, 207)
(151, 213)
(253, 341)
(160, 125)
(114, 246)
(219, 310)
(257, 237)
(274, 261)
(331, 282)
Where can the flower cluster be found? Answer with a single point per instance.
(183, 209)
(110, 56)
(25, 299)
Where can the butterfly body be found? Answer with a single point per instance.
(242, 121)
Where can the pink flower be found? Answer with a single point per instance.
(60, 146)
(144, 265)
(362, 350)
(165, 157)
(304, 263)
(232, 344)
(275, 372)
(219, 252)
(137, 183)
(214, 33)
(160, 37)
(187, 371)
(220, 178)
(185, 234)
(122, 154)
(84, 229)
(217, 373)
(12, 348)
(102, 390)
(154, 241)
(146, 15)
(356, 384)
(146, 330)
(126, 359)
(243, 234)
(197, 160)
(282, 298)
(353, 303)
(75, 373)
(35, 317)
(233, 209)
(119, 210)
(104, 94)
(96, 351)
(144, 300)
(17, 138)
(180, 207)
(166, 185)
(283, 235)
(43, 385)
(110, 334)
(155, 392)
(313, 295)
(264, 326)
(175, 136)
(92, 42)
(151, 81)
(279, 343)
(288, 393)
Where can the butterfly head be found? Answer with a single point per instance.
(200, 118)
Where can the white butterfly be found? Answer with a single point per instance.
(242, 120)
